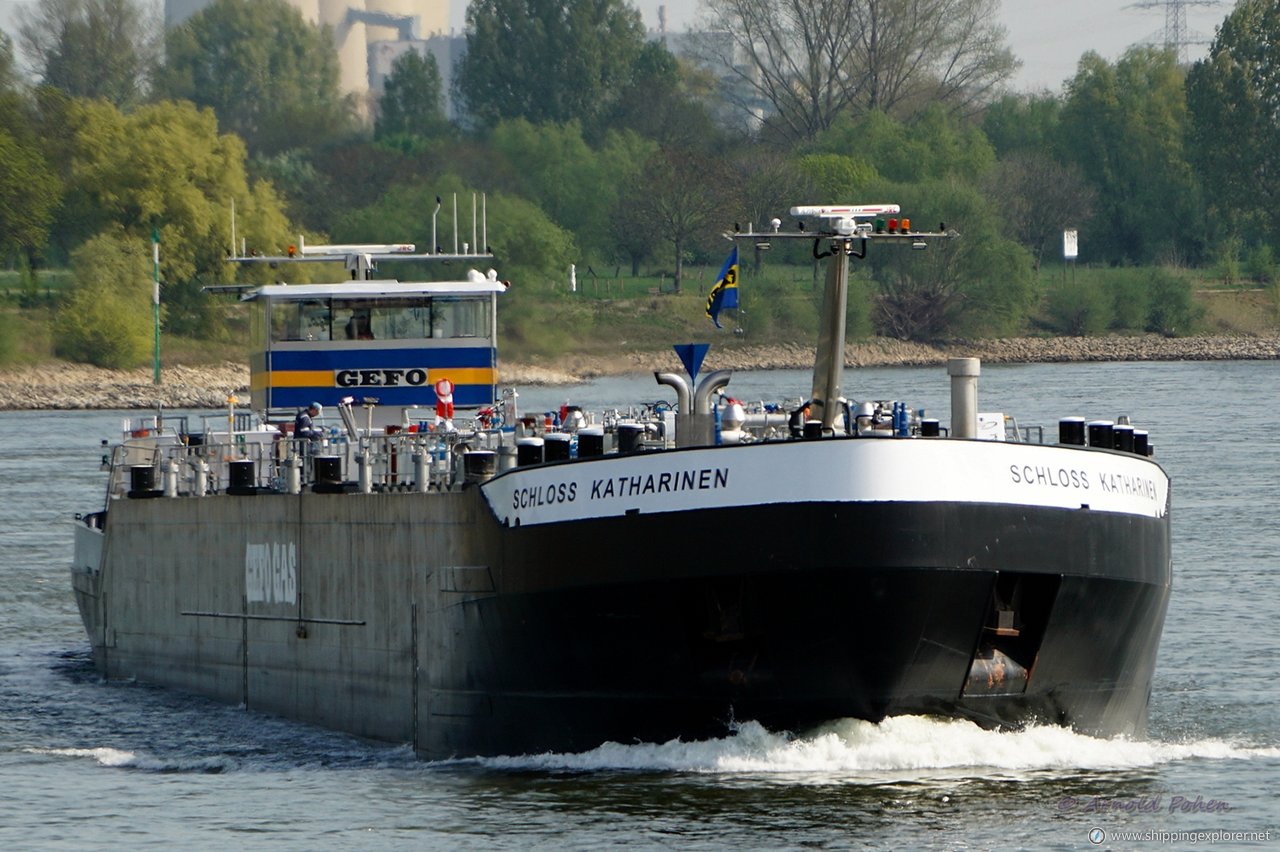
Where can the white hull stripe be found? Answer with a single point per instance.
(859, 470)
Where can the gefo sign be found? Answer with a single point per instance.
(380, 378)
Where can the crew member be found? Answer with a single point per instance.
(304, 425)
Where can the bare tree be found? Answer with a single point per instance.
(1040, 198)
(804, 63)
(91, 48)
(683, 194)
(769, 186)
(787, 55)
(944, 50)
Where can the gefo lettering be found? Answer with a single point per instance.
(380, 378)
(271, 573)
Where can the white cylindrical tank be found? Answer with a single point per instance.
(964, 374)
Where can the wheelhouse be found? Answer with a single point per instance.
(388, 341)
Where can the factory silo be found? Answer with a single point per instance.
(432, 15)
(351, 42)
(363, 30)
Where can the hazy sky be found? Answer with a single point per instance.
(1049, 36)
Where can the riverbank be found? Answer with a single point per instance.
(63, 386)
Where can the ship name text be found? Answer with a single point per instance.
(544, 495)
(380, 378)
(1061, 477)
(666, 482)
(636, 485)
(271, 573)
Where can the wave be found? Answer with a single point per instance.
(895, 745)
(123, 759)
(846, 750)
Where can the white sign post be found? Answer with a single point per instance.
(1070, 249)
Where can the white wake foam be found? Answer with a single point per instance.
(850, 749)
(897, 744)
(104, 756)
(119, 758)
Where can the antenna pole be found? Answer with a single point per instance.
(828, 366)
(435, 246)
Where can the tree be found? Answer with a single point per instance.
(934, 144)
(165, 166)
(665, 101)
(836, 177)
(412, 102)
(29, 195)
(546, 60)
(808, 62)
(1023, 123)
(271, 77)
(769, 186)
(976, 285)
(1234, 101)
(684, 194)
(947, 51)
(15, 113)
(575, 185)
(1125, 126)
(92, 48)
(796, 58)
(107, 319)
(529, 246)
(8, 69)
(1039, 198)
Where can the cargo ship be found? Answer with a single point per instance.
(433, 566)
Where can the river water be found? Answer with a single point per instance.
(86, 763)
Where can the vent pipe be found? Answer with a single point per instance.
(964, 374)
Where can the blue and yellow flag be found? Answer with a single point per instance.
(725, 293)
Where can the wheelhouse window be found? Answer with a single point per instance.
(459, 318)
(307, 319)
(382, 319)
(411, 318)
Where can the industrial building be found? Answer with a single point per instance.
(368, 36)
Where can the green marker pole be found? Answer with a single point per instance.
(155, 300)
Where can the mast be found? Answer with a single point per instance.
(828, 365)
(842, 233)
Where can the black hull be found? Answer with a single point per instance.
(424, 617)
(648, 628)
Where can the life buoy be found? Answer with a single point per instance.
(444, 399)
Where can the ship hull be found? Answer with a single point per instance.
(508, 618)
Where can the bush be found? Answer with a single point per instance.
(1261, 265)
(1227, 259)
(1079, 307)
(107, 319)
(1130, 299)
(7, 346)
(1172, 309)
